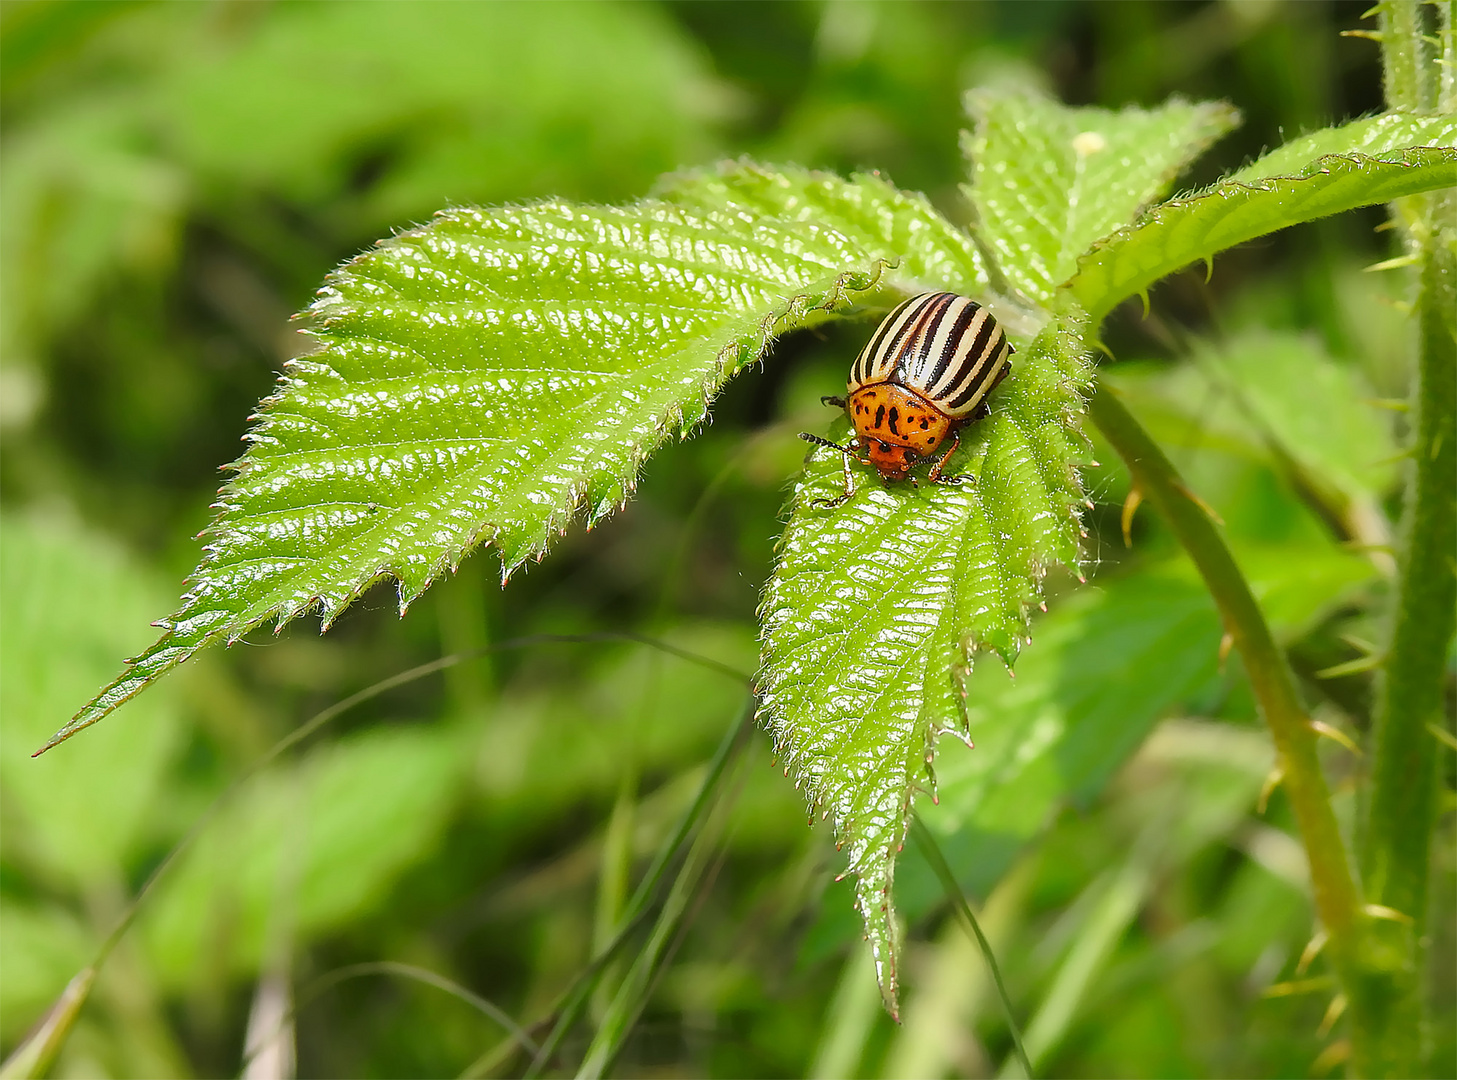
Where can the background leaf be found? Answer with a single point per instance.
(375, 804)
(74, 601)
(1047, 180)
(1282, 399)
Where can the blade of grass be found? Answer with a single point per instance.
(851, 1016)
(36, 1053)
(642, 976)
(673, 918)
(568, 1008)
(1116, 907)
(926, 842)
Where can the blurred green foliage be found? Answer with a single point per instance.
(177, 179)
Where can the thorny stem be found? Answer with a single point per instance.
(1387, 1019)
(1404, 56)
(1337, 900)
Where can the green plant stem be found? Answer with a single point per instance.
(1337, 900)
(1396, 840)
(1404, 56)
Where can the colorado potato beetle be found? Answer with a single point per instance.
(925, 373)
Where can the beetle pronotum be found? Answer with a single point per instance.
(925, 373)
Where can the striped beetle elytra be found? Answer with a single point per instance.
(925, 373)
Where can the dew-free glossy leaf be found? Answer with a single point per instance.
(875, 608)
(483, 380)
(1390, 158)
(930, 253)
(1047, 180)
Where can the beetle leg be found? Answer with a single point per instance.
(851, 454)
(837, 402)
(936, 477)
(840, 500)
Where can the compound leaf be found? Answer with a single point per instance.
(1379, 159)
(483, 379)
(1047, 180)
(875, 607)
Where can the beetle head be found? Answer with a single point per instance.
(891, 461)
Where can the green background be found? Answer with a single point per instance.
(177, 179)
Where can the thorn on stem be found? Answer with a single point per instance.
(1272, 780)
(1332, 1014)
(1335, 734)
(1381, 911)
(1311, 951)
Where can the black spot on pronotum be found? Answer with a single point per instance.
(895, 415)
(879, 415)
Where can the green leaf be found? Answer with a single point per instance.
(321, 841)
(470, 102)
(1380, 159)
(1311, 410)
(1082, 702)
(484, 379)
(875, 607)
(1047, 181)
(71, 602)
(1373, 136)
(930, 253)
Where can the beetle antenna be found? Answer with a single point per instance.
(807, 437)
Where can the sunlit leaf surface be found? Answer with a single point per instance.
(930, 253)
(1047, 180)
(875, 607)
(1311, 178)
(483, 380)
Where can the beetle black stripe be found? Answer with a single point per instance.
(908, 357)
(944, 347)
(913, 360)
(972, 395)
(952, 348)
(871, 356)
(897, 337)
(972, 360)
